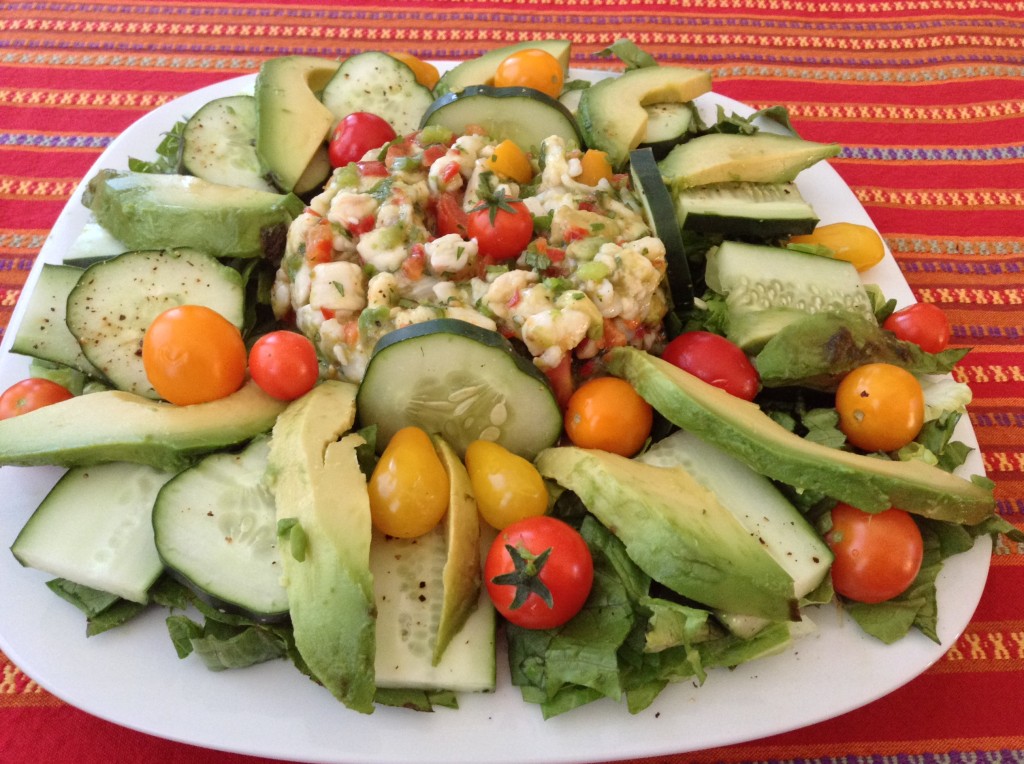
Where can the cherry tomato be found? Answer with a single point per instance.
(355, 135)
(877, 556)
(595, 167)
(539, 572)
(502, 229)
(409, 486)
(923, 323)
(881, 407)
(507, 487)
(607, 413)
(192, 354)
(859, 245)
(284, 364)
(29, 395)
(531, 68)
(716, 360)
(426, 74)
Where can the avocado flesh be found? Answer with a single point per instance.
(319, 488)
(112, 426)
(461, 576)
(291, 122)
(727, 157)
(611, 112)
(676, 531)
(742, 430)
(148, 211)
(481, 70)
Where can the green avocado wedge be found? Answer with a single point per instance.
(112, 425)
(742, 430)
(676, 531)
(323, 515)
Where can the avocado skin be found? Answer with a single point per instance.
(744, 431)
(149, 211)
(676, 531)
(112, 426)
(316, 482)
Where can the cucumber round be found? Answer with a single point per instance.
(661, 213)
(215, 527)
(219, 144)
(461, 382)
(523, 115)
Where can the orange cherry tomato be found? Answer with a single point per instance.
(607, 413)
(426, 73)
(31, 394)
(881, 407)
(192, 354)
(531, 68)
(877, 556)
(511, 161)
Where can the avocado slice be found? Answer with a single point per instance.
(676, 531)
(291, 122)
(611, 112)
(731, 157)
(742, 430)
(480, 70)
(114, 426)
(324, 509)
(152, 211)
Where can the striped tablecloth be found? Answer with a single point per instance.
(927, 96)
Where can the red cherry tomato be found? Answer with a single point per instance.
(29, 395)
(877, 556)
(284, 364)
(192, 354)
(715, 360)
(355, 135)
(923, 323)
(539, 572)
(502, 230)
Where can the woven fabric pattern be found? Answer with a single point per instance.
(926, 96)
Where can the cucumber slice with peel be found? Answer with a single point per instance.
(220, 144)
(461, 382)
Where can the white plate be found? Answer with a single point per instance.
(132, 676)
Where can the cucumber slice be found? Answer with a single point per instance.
(660, 212)
(215, 527)
(43, 332)
(668, 125)
(219, 144)
(93, 528)
(114, 302)
(379, 84)
(525, 116)
(745, 210)
(461, 382)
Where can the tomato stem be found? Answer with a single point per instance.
(526, 576)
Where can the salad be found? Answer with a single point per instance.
(644, 638)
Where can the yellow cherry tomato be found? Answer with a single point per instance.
(426, 73)
(507, 487)
(192, 354)
(409, 486)
(881, 407)
(511, 161)
(859, 245)
(531, 68)
(595, 167)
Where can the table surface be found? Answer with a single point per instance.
(926, 96)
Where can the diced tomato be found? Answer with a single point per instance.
(588, 206)
(560, 378)
(515, 299)
(451, 218)
(432, 153)
(450, 172)
(350, 332)
(613, 336)
(372, 169)
(319, 243)
(365, 225)
(415, 263)
(574, 233)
